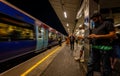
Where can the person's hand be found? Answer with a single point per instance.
(93, 36)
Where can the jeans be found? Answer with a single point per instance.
(94, 63)
(117, 49)
(72, 46)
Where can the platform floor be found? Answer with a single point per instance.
(64, 64)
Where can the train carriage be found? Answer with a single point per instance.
(17, 33)
(20, 33)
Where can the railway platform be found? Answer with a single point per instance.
(57, 61)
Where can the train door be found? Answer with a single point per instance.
(39, 37)
(45, 38)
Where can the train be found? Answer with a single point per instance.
(21, 33)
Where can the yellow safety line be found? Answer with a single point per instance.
(38, 63)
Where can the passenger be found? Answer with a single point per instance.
(72, 39)
(60, 41)
(100, 51)
(67, 41)
(80, 51)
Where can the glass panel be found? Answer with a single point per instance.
(39, 32)
(11, 29)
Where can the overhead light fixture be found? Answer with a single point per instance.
(67, 25)
(80, 25)
(65, 14)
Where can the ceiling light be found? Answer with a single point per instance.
(80, 25)
(67, 24)
(65, 14)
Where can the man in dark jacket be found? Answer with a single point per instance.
(100, 35)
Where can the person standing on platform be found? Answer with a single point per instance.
(81, 37)
(80, 55)
(100, 37)
(60, 41)
(67, 41)
(72, 39)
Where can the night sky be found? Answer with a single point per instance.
(42, 10)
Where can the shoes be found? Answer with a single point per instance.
(82, 60)
(76, 58)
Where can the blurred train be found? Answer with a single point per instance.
(20, 33)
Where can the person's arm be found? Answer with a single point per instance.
(110, 35)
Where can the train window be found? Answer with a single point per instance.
(52, 36)
(11, 29)
(39, 32)
(55, 36)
